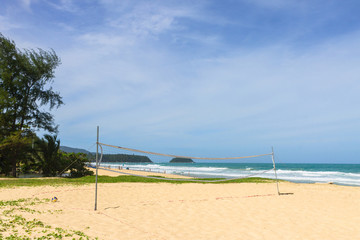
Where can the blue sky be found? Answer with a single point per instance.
(204, 78)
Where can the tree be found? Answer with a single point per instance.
(52, 162)
(25, 88)
(47, 156)
(76, 164)
(16, 146)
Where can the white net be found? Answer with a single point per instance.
(207, 169)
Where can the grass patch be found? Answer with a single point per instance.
(119, 179)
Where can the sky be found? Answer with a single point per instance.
(202, 78)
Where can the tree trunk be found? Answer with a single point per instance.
(13, 165)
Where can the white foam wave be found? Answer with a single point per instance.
(321, 177)
(280, 171)
(215, 171)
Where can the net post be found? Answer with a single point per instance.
(273, 160)
(97, 166)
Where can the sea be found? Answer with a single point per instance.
(341, 174)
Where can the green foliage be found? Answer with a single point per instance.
(76, 164)
(45, 158)
(12, 222)
(119, 179)
(24, 79)
(181, 160)
(16, 146)
(124, 158)
(25, 88)
(47, 155)
(52, 162)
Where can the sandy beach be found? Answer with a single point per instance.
(115, 172)
(197, 211)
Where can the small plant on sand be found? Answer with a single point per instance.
(14, 226)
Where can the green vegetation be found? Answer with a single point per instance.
(107, 179)
(12, 222)
(25, 89)
(181, 160)
(125, 158)
(25, 92)
(46, 158)
(73, 150)
(109, 157)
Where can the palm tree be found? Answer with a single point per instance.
(47, 155)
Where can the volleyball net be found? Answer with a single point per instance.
(117, 158)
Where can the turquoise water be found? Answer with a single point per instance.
(342, 174)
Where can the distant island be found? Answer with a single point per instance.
(125, 158)
(109, 157)
(181, 160)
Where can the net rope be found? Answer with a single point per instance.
(176, 156)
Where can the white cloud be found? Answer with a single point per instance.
(124, 77)
(246, 90)
(26, 4)
(144, 23)
(106, 40)
(146, 18)
(233, 96)
(64, 5)
(6, 24)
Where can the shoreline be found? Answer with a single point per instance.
(113, 172)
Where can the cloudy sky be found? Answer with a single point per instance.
(204, 78)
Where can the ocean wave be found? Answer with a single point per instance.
(213, 170)
(312, 172)
(165, 167)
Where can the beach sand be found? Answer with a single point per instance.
(163, 211)
(115, 172)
